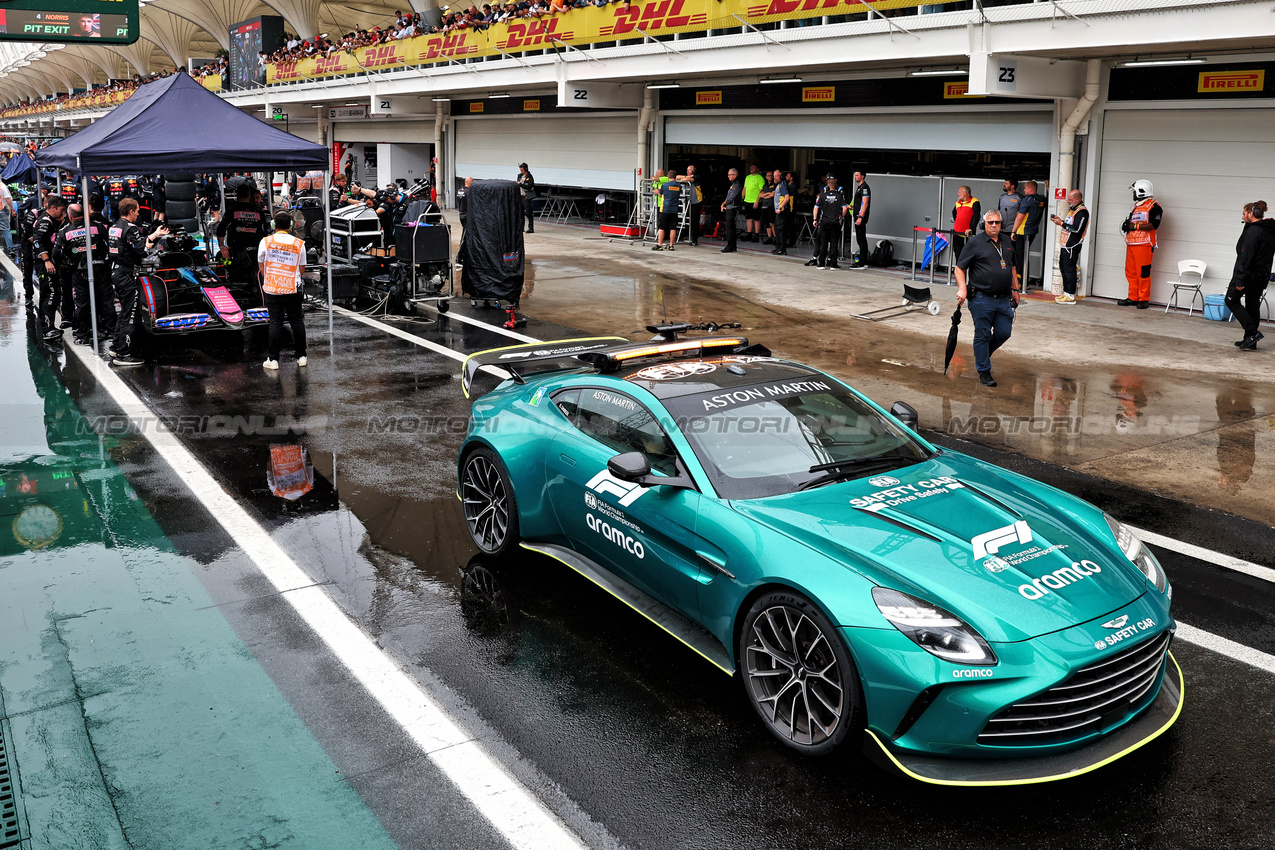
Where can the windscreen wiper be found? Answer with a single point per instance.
(852, 467)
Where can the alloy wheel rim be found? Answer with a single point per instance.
(486, 503)
(794, 676)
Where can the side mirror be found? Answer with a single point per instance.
(905, 413)
(630, 466)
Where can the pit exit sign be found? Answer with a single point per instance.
(69, 21)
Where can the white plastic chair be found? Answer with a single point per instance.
(1188, 267)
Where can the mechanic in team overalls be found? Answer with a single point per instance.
(70, 255)
(114, 193)
(105, 293)
(830, 210)
(27, 215)
(239, 232)
(128, 246)
(43, 234)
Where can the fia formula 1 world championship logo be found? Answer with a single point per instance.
(991, 542)
(605, 482)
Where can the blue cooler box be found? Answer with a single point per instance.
(1215, 309)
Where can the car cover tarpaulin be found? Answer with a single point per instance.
(20, 169)
(491, 248)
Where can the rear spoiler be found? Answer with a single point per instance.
(535, 358)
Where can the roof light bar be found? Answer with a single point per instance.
(674, 347)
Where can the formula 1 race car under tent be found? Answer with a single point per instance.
(175, 125)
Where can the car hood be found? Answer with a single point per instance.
(1013, 558)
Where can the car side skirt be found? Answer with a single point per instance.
(1151, 724)
(687, 632)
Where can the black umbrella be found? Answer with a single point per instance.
(951, 338)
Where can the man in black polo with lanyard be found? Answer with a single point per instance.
(987, 279)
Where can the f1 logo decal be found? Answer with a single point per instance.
(605, 482)
(991, 542)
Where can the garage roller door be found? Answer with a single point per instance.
(1027, 131)
(1206, 164)
(583, 151)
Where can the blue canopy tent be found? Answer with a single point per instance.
(174, 125)
(20, 169)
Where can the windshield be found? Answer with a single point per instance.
(768, 439)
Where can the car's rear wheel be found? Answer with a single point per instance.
(798, 675)
(487, 495)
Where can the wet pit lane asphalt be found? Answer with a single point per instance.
(632, 739)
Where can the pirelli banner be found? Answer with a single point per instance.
(576, 27)
(1249, 80)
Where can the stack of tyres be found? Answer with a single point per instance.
(179, 204)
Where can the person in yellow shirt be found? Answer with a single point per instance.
(753, 185)
(280, 258)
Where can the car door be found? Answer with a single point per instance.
(643, 534)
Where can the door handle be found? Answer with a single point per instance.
(568, 459)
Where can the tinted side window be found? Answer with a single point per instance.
(567, 402)
(620, 423)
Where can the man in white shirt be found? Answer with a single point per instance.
(280, 258)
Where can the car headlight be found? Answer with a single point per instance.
(933, 629)
(1137, 552)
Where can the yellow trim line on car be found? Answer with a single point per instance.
(611, 591)
(1036, 780)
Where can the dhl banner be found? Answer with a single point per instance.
(613, 22)
(212, 82)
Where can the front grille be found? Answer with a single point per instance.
(1094, 698)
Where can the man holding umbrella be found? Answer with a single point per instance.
(987, 279)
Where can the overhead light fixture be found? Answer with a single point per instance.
(1153, 63)
(319, 106)
(664, 86)
(354, 104)
(775, 80)
(442, 100)
(939, 72)
(498, 95)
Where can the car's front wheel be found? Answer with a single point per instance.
(798, 674)
(487, 495)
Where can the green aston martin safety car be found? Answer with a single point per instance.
(964, 624)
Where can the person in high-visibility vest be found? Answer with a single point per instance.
(1140, 241)
(967, 212)
(280, 258)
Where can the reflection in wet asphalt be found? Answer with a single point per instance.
(350, 464)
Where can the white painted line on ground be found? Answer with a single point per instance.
(1207, 555)
(505, 802)
(13, 270)
(1229, 648)
(456, 317)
